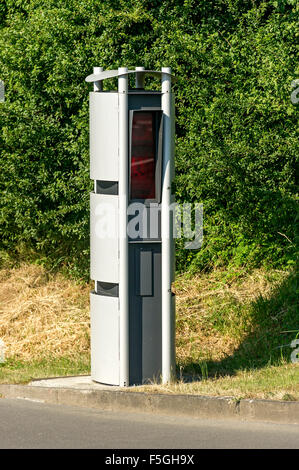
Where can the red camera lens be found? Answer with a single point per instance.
(143, 156)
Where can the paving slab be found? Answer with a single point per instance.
(81, 382)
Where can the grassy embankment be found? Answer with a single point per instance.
(230, 328)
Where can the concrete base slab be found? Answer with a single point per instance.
(81, 382)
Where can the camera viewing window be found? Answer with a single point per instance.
(146, 155)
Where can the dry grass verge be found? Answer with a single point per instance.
(42, 314)
(229, 328)
(216, 312)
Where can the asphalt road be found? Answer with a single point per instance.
(26, 424)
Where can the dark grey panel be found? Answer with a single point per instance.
(146, 271)
(145, 312)
(107, 288)
(144, 100)
(107, 187)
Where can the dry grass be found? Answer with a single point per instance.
(46, 314)
(271, 382)
(210, 325)
(42, 314)
(44, 322)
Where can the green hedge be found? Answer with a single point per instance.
(236, 146)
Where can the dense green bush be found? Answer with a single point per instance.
(236, 126)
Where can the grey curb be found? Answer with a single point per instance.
(176, 405)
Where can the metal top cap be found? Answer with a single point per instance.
(97, 77)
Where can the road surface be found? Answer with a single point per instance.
(27, 424)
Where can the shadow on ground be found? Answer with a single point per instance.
(268, 341)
